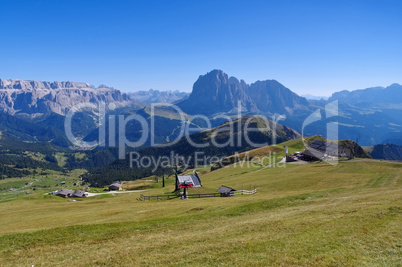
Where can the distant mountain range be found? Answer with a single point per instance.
(370, 116)
(376, 96)
(314, 97)
(35, 98)
(156, 96)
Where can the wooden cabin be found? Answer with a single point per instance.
(226, 191)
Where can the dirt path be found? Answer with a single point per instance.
(112, 192)
(115, 192)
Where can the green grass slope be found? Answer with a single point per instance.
(309, 215)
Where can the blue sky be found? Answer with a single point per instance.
(315, 47)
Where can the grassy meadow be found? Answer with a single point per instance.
(307, 215)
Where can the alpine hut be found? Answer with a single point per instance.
(80, 193)
(116, 186)
(226, 191)
(64, 193)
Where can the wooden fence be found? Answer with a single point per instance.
(159, 197)
(244, 192)
(167, 197)
(204, 195)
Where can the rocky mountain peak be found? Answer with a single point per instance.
(216, 92)
(271, 96)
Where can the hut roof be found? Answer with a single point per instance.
(225, 190)
(64, 192)
(79, 193)
(314, 154)
(323, 146)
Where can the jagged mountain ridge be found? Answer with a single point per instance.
(371, 115)
(35, 85)
(376, 95)
(216, 92)
(34, 98)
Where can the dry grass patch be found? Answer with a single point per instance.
(310, 215)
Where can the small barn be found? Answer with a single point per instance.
(64, 193)
(116, 186)
(80, 193)
(226, 191)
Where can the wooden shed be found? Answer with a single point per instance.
(64, 193)
(226, 191)
(80, 193)
(116, 186)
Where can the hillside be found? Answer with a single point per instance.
(200, 148)
(163, 124)
(26, 130)
(20, 159)
(387, 152)
(272, 154)
(313, 215)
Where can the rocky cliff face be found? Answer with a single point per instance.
(216, 92)
(36, 98)
(271, 96)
